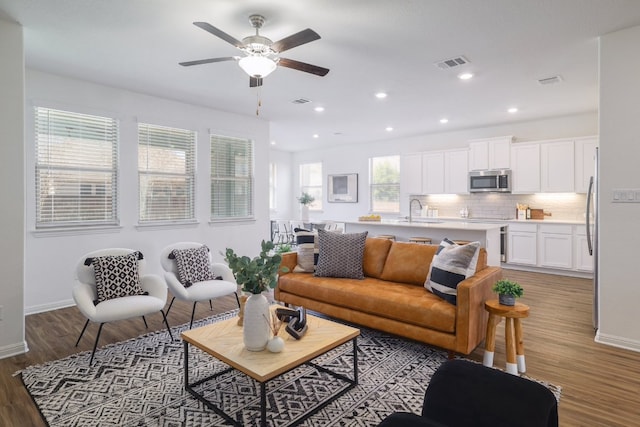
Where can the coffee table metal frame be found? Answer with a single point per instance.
(306, 359)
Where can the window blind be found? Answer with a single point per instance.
(166, 174)
(76, 169)
(231, 178)
(384, 184)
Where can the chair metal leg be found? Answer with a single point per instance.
(82, 333)
(210, 305)
(237, 299)
(145, 323)
(193, 311)
(164, 317)
(170, 305)
(95, 344)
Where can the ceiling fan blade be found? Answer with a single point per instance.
(302, 66)
(255, 81)
(209, 61)
(219, 33)
(297, 39)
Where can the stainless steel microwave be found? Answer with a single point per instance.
(498, 181)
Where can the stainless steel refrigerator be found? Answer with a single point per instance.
(592, 223)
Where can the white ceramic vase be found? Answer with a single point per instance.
(256, 331)
(304, 213)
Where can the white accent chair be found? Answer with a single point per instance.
(199, 291)
(85, 293)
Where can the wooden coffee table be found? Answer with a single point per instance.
(223, 340)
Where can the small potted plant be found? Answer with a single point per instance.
(305, 200)
(508, 291)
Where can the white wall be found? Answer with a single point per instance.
(284, 184)
(51, 257)
(12, 339)
(619, 161)
(354, 158)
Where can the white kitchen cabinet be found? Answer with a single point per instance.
(555, 246)
(433, 172)
(490, 153)
(557, 173)
(522, 244)
(585, 151)
(411, 174)
(456, 175)
(525, 165)
(582, 260)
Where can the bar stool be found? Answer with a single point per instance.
(421, 240)
(512, 315)
(386, 236)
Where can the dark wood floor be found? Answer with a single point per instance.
(600, 384)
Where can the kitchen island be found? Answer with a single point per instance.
(487, 234)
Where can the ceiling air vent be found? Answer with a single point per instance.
(300, 101)
(550, 80)
(452, 63)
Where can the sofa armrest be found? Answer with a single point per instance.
(471, 317)
(289, 260)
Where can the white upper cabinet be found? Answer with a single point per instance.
(433, 172)
(585, 152)
(557, 170)
(456, 175)
(411, 174)
(490, 153)
(525, 166)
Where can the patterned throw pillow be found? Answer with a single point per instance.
(117, 276)
(450, 265)
(307, 249)
(340, 255)
(193, 265)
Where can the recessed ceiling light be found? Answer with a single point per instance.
(512, 110)
(315, 135)
(273, 143)
(319, 109)
(381, 95)
(465, 76)
(388, 128)
(444, 120)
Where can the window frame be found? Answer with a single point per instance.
(317, 191)
(182, 141)
(373, 186)
(86, 132)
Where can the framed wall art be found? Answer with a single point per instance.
(343, 188)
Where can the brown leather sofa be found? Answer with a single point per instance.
(392, 297)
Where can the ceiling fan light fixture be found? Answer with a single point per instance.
(257, 66)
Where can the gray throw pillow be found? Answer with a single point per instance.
(450, 265)
(340, 255)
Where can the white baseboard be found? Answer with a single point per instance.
(616, 341)
(13, 349)
(557, 272)
(34, 309)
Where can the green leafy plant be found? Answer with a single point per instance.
(282, 248)
(257, 274)
(508, 287)
(306, 199)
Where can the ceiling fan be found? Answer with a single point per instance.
(261, 54)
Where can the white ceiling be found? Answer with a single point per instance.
(369, 45)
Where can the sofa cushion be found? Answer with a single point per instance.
(375, 255)
(451, 265)
(340, 255)
(307, 249)
(408, 263)
(403, 302)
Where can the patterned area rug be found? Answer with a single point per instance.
(139, 382)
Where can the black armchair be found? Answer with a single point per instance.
(463, 393)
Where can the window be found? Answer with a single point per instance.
(166, 173)
(385, 184)
(273, 175)
(311, 182)
(231, 178)
(76, 169)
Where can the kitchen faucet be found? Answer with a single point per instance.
(411, 210)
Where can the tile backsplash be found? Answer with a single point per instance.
(562, 206)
